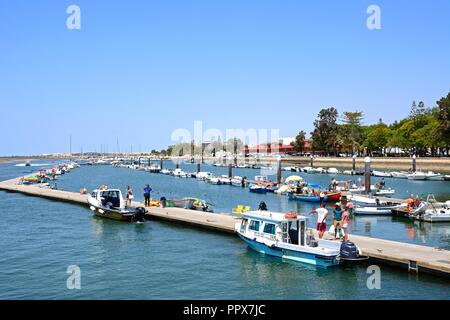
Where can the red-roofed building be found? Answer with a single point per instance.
(274, 148)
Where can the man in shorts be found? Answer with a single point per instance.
(322, 214)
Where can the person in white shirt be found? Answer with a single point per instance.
(322, 215)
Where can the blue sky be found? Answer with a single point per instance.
(138, 70)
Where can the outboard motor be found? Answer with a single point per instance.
(163, 202)
(139, 215)
(349, 251)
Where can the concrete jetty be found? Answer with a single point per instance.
(414, 258)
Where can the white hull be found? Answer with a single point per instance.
(373, 211)
(400, 175)
(417, 176)
(382, 174)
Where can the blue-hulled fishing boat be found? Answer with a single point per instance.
(286, 236)
(306, 197)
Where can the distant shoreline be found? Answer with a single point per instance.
(4, 160)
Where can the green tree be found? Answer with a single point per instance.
(443, 118)
(325, 131)
(299, 143)
(352, 132)
(377, 137)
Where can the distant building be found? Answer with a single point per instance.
(274, 148)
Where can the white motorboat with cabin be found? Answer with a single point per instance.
(110, 204)
(286, 236)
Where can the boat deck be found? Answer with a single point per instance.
(407, 256)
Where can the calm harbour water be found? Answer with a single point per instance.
(158, 260)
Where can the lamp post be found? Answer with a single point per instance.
(367, 174)
(279, 175)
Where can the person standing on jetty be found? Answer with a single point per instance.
(147, 195)
(129, 196)
(322, 215)
(337, 220)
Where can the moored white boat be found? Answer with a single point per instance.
(362, 201)
(286, 236)
(418, 175)
(319, 170)
(400, 174)
(332, 171)
(203, 176)
(383, 174)
(380, 210)
(434, 176)
(436, 215)
(308, 170)
(110, 204)
(237, 181)
(165, 171)
(224, 179)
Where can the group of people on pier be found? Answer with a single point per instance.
(341, 219)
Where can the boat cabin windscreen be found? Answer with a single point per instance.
(112, 198)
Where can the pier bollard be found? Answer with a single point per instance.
(367, 174)
(414, 163)
(161, 163)
(312, 161)
(230, 171)
(354, 164)
(198, 167)
(178, 165)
